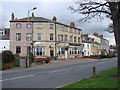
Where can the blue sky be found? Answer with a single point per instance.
(48, 10)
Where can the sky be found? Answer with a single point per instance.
(48, 9)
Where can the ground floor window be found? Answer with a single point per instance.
(79, 51)
(39, 51)
(18, 49)
(72, 50)
(61, 51)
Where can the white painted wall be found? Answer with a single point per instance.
(86, 49)
(4, 45)
(97, 39)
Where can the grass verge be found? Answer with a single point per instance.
(105, 79)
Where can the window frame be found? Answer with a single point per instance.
(18, 49)
(19, 26)
(18, 35)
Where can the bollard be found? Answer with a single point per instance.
(94, 72)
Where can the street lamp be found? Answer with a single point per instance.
(28, 32)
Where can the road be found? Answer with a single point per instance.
(54, 77)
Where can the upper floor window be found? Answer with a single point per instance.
(39, 36)
(75, 39)
(78, 31)
(75, 31)
(28, 25)
(66, 29)
(71, 30)
(66, 38)
(39, 26)
(78, 39)
(28, 36)
(51, 37)
(51, 26)
(61, 38)
(71, 39)
(18, 25)
(18, 36)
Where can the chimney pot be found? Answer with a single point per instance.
(12, 16)
(54, 18)
(72, 24)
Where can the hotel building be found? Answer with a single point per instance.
(45, 37)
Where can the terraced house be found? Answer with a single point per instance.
(90, 46)
(45, 37)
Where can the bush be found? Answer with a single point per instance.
(7, 57)
(31, 57)
(16, 62)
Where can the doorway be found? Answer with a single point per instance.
(51, 53)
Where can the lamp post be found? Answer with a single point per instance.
(28, 32)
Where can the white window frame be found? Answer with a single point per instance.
(39, 36)
(61, 51)
(18, 25)
(28, 36)
(51, 36)
(39, 26)
(51, 26)
(38, 50)
(18, 36)
(28, 26)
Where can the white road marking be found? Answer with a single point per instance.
(16, 78)
(60, 70)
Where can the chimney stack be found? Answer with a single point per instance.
(54, 18)
(72, 24)
(101, 36)
(12, 16)
(95, 34)
(33, 15)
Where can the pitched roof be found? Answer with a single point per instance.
(39, 19)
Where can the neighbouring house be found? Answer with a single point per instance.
(102, 41)
(45, 37)
(4, 39)
(113, 50)
(90, 47)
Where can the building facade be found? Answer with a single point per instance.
(4, 39)
(90, 46)
(45, 37)
(102, 41)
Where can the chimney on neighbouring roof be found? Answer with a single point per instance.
(72, 24)
(85, 35)
(101, 36)
(95, 34)
(33, 15)
(12, 16)
(54, 18)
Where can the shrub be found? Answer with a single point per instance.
(7, 57)
(31, 57)
(16, 62)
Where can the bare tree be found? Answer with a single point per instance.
(102, 10)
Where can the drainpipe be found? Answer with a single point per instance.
(55, 41)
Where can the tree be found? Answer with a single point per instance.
(7, 57)
(102, 10)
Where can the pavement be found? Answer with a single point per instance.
(53, 64)
(54, 75)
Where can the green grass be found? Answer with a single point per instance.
(103, 80)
